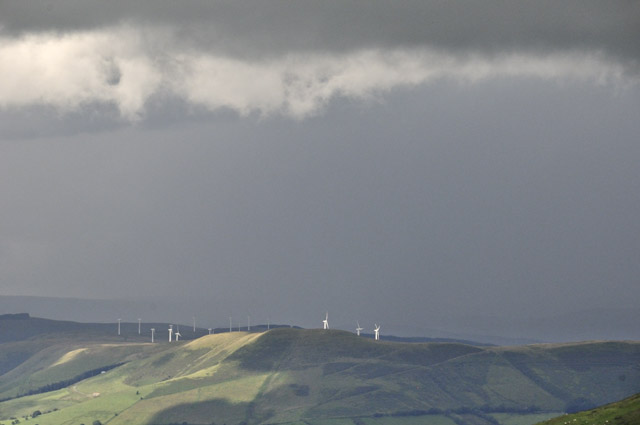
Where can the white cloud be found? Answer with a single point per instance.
(71, 70)
(125, 67)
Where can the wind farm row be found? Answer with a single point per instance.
(175, 335)
(376, 327)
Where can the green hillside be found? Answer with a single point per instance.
(307, 376)
(625, 412)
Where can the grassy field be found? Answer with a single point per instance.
(310, 376)
(625, 412)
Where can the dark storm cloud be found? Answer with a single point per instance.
(292, 57)
(268, 27)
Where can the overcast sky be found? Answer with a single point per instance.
(385, 161)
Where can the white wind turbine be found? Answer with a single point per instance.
(170, 333)
(209, 331)
(153, 332)
(325, 322)
(358, 329)
(194, 324)
(178, 334)
(376, 330)
(119, 320)
(139, 321)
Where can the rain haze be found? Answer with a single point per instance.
(442, 168)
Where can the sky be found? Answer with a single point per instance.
(394, 162)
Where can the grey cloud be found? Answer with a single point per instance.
(292, 58)
(260, 27)
(118, 67)
(112, 72)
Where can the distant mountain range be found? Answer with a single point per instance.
(603, 324)
(72, 373)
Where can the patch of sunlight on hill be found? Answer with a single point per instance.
(80, 361)
(101, 398)
(103, 384)
(222, 341)
(69, 356)
(102, 408)
(203, 372)
(237, 392)
(218, 347)
(23, 406)
(194, 359)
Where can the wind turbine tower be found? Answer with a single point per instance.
(194, 324)
(376, 330)
(209, 331)
(119, 320)
(170, 333)
(230, 326)
(139, 321)
(153, 331)
(178, 334)
(248, 323)
(358, 329)
(325, 322)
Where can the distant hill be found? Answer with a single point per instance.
(22, 326)
(298, 376)
(581, 325)
(625, 412)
